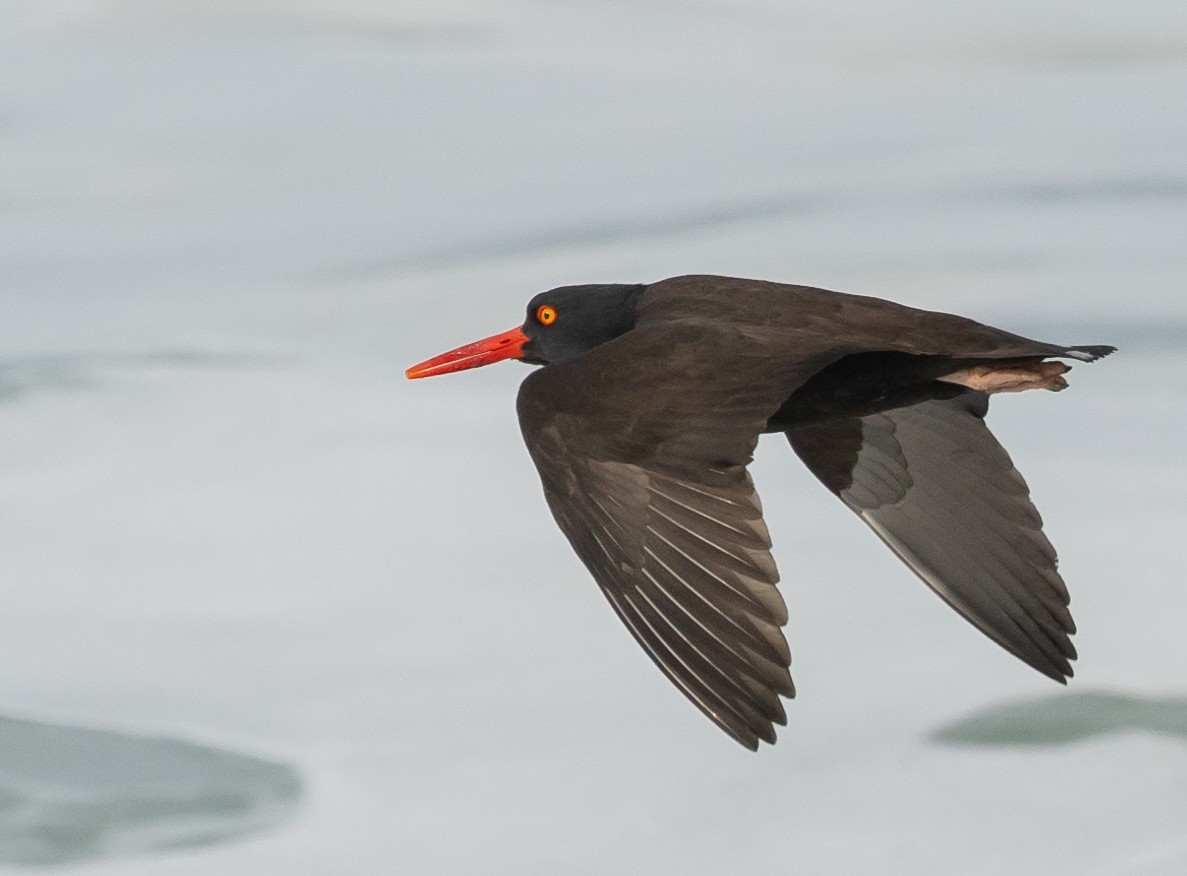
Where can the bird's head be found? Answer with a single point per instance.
(561, 324)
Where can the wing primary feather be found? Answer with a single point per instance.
(736, 626)
(756, 682)
(777, 611)
(609, 519)
(725, 689)
(628, 618)
(1005, 548)
(746, 563)
(743, 657)
(992, 587)
(987, 614)
(753, 505)
(677, 670)
(747, 535)
(597, 538)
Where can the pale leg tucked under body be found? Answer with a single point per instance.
(1011, 376)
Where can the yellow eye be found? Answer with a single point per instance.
(546, 314)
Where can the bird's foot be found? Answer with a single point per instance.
(1014, 377)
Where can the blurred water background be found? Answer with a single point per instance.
(270, 608)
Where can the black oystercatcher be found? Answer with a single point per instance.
(648, 409)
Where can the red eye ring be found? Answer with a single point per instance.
(546, 314)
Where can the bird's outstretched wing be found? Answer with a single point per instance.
(937, 487)
(646, 476)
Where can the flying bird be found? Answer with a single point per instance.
(646, 414)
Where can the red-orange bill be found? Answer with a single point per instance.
(508, 345)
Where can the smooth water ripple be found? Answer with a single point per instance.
(69, 794)
(1068, 718)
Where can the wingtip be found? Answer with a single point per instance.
(1091, 352)
(767, 734)
(750, 742)
(755, 735)
(1058, 671)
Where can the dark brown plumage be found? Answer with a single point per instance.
(650, 407)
